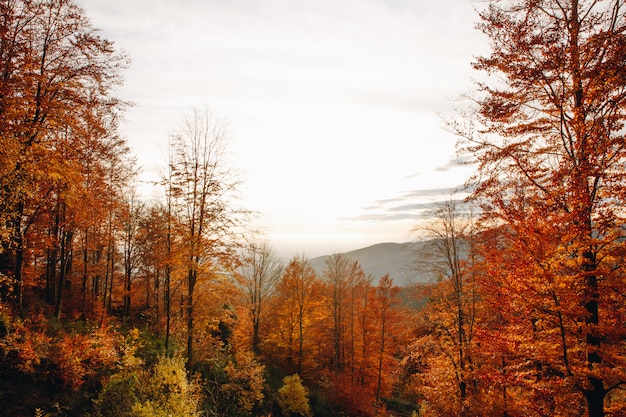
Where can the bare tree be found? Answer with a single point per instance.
(132, 213)
(451, 311)
(258, 274)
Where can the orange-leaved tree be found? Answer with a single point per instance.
(294, 313)
(548, 140)
(56, 79)
(389, 334)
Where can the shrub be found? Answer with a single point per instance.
(293, 397)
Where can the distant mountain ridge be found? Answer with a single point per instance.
(396, 259)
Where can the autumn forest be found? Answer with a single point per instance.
(115, 306)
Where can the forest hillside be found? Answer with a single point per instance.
(399, 260)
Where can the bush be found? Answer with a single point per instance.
(118, 397)
(162, 391)
(293, 397)
(167, 391)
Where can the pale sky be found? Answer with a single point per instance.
(333, 107)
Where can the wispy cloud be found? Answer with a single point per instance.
(382, 217)
(410, 205)
(455, 163)
(412, 195)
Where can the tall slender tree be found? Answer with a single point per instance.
(356, 291)
(133, 211)
(258, 274)
(337, 276)
(294, 309)
(387, 301)
(204, 185)
(450, 313)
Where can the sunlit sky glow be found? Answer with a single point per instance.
(333, 107)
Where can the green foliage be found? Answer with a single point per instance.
(118, 397)
(293, 397)
(150, 346)
(321, 405)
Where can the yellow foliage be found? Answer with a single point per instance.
(247, 380)
(293, 397)
(167, 391)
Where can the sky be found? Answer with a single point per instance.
(334, 108)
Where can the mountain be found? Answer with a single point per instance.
(396, 259)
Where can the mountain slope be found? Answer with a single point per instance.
(396, 259)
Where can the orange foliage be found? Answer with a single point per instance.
(25, 346)
(548, 140)
(71, 358)
(295, 313)
(81, 358)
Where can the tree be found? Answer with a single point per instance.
(234, 385)
(56, 80)
(118, 175)
(366, 327)
(204, 186)
(357, 288)
(98, 196)
(152, 254)
(132, 214)
(293, 398)
(450, 314)
(167, 296)
(550, 152)
(387, 302)
(337, 275)
(257, 275)
(166, 391)
(294, 309)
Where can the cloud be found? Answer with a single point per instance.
(382, 217)
(410, 205)
(454, 163)
(418, 206)
(442, 192)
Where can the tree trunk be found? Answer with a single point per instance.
(51, 264)
(19, 260)
(85, 272)
(64, 267)
(109, 298)
(127, 288)
(167, 304)
(380, 362)
(595, 395)
(192, 276)
(255, 330)
(17, 278)
(595, 398)
(300, 339)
